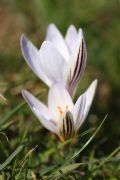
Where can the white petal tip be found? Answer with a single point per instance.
(45, 43)
(24, 43)
(80, 32)
(23, 36)
(23, 92)
(91, 89)
(95, 82)
(23, 40)
(72, 27)
(26, 95)
(51, 26)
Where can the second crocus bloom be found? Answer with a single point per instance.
(62, 116)
(58, 60)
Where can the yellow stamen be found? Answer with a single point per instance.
(60, 111)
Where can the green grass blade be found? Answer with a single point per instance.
(108, 157)
(11, 157)
(49, 152)
(89, 140)
(64, 170)
(4, 119)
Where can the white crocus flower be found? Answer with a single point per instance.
(62, 117)
(58, 60)
(65, 45)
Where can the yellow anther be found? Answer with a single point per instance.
(60, 111)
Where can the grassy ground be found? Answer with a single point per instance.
(27, 150)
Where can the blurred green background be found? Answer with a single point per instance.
(100, 21)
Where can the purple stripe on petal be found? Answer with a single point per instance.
(78, 70)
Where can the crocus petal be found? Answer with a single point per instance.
(33, 102)
(31, 55)
(48, 124)
(71, 37)
(52, 63)
(40, 110)
(54, 36)
(90, 92)
(76, 65)
(78, 111)
(59, 101)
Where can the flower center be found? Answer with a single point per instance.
(61, 111)
(67, 130)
